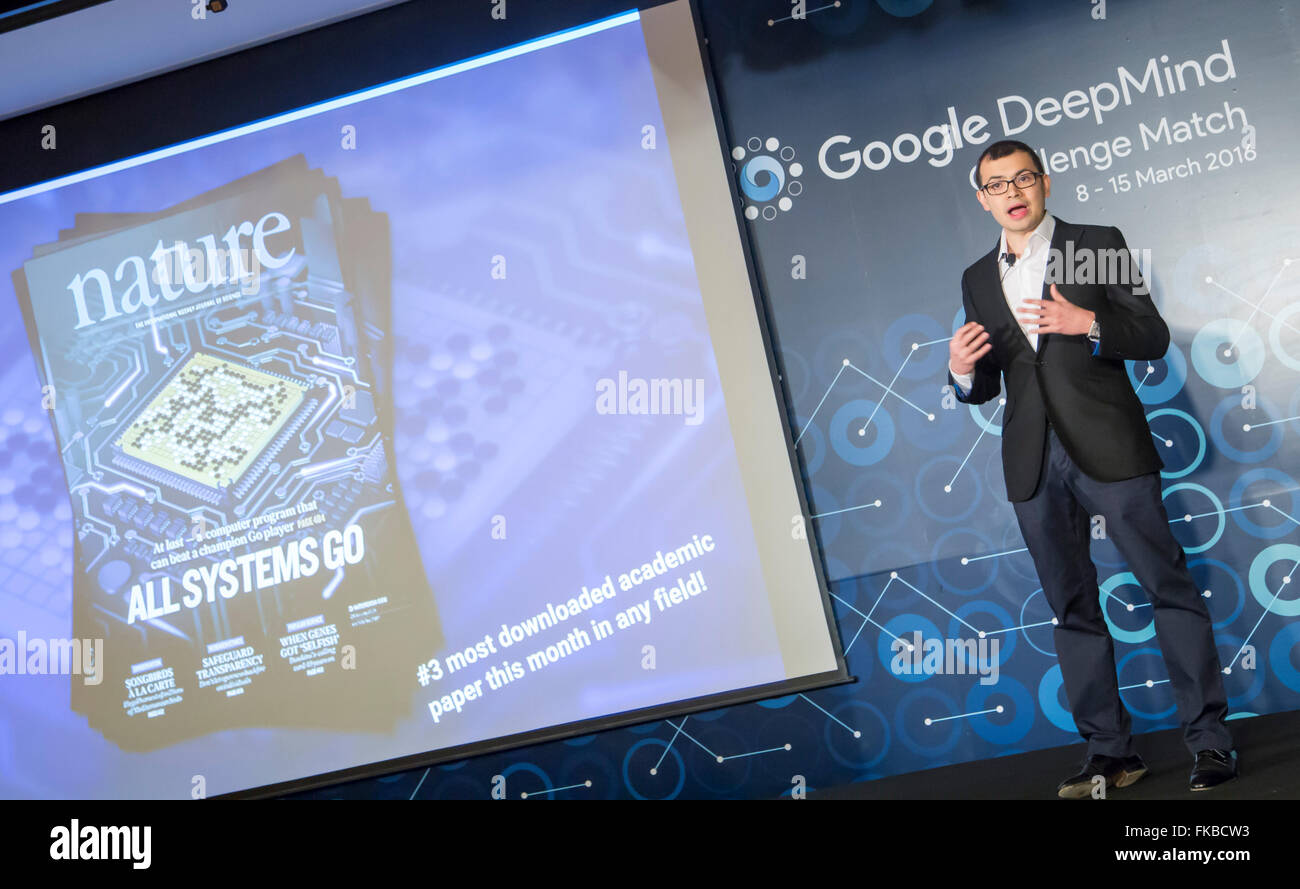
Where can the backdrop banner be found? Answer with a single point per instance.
(855, 129)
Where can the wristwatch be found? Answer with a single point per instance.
(1094, 332)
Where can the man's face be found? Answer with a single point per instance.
(1016, 209)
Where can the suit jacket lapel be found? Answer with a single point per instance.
(989, 283)
(1063, 232)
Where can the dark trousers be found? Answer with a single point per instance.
(1056, 524)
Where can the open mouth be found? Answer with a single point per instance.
(1018, 210)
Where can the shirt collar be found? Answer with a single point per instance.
(1044, 232)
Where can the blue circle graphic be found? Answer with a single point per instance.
(1049, 691)
(889, 647)
(659, 742)
(1218, 509)
(1285, 486)
(1171, 385)
(1119, 672)
(1228, 371)
(943, 708)
(989, 726)
(987, 425)
(1272, 599)
(1041, 625)
(904, 8)
(950, 484)
(1279, 656)
(842, 438)
(834, 732)
(1220, 439)
(1002, 621)
(1200, 440)
(981, 571)
(1125, 578)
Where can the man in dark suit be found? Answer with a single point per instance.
(1075, 444)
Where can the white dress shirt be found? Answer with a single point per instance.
(1021, 281)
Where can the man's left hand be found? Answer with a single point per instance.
(1055, 315)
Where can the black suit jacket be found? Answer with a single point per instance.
(1088, 398)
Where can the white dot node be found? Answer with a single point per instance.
(1150, 684)
(1151, 369)
(947, 489)
(965, 561)
(981, 634)
(893, 575)
(654, 771)
(1000, 708)
(915, 346)
(1245, 427)
(1207, 594)
(787, 746)
(846, 362)
(772, 144)
(862, 431)
(1267, 503)
(720, 759)
(1287, 579)
(1227, 353)
(877, 501)
(1227, 671)
(1128, 607)
(927, 720)
(796, 169)
(857, 734)
(1187, 518)
(1002, 401)
(785, 203)
(1169, 442)
(930, 417)
(1053, 621)
(588, 782)
(751, 212)
(738, 153)
(1209, 280)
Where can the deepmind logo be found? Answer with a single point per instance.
(769, 176)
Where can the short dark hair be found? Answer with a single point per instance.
(1002, 149)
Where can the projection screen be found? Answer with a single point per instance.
(436, 418)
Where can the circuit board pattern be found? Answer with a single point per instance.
(211, 421)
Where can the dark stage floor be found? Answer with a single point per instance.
(1268, 751)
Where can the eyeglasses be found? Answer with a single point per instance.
(1024, 179)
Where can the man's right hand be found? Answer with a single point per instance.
(968, 345)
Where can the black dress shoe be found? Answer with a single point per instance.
(1212, 768)
(1117, 772)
